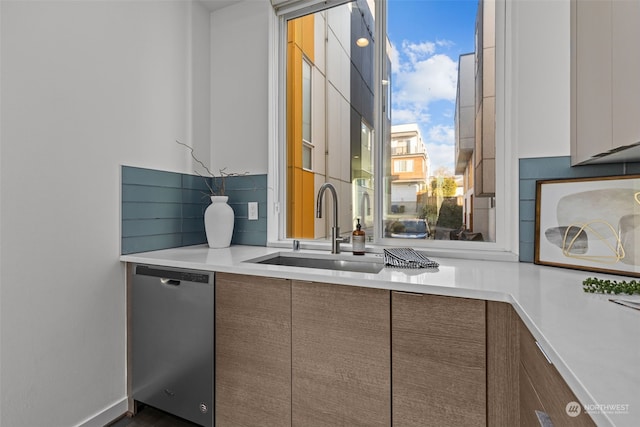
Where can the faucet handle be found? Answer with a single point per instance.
(345, 239)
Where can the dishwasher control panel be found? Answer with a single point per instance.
(189, 276)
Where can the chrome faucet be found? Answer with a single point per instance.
(335, 230)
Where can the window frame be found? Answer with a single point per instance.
(506, 215)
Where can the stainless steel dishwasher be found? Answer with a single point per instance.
(172, 341)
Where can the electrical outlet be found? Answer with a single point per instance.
(252, 209)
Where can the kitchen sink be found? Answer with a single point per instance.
(367, 264)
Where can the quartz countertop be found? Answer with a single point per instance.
(594, 344)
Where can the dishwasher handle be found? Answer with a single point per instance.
(166, 281)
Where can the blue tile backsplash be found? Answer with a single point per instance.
(241, 190)
(542, 168)
(163, 209)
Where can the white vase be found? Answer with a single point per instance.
(218, 222)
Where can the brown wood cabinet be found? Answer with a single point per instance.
(520, 380)
(340, 355)
(543, 389)
(253, 351)
(292, 353)
(439, 360)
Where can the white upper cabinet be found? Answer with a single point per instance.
(605, 81)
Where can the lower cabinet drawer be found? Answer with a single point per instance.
(549, 391)
(530, 404)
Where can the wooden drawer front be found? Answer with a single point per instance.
(439, 361)
(529, 401)
(341, 356)
(552, 390)
(253, 351)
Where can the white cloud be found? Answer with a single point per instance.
(422, 76)
(418, 51)
(440, 155)
(440, 142)
(410, 114)
(429, 80)
(403, 116)
(449, 113)
(445, 43)
(441, 134)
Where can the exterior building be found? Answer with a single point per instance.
(465, 133)
(409, 168)
(330, 108)
(475, 126)
(485, 100)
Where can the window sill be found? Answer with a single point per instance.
(472, 250)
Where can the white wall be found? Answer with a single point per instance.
(86, 87)
(239, 87)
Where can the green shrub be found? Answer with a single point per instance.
(450, 214)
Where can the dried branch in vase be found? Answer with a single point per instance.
(217, 186)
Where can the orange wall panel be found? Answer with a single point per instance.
(308, 39)
(300, 183)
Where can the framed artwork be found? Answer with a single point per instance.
(589, 224)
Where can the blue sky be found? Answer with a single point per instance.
(427, 37)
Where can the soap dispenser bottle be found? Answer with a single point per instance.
(358, 239)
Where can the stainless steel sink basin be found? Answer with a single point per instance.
(363, 265)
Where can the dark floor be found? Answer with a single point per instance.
(151, 417)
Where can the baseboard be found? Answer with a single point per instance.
(107, 415)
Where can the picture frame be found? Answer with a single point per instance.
(590, 224)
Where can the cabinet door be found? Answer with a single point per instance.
(606, 79)
(439, 361)
(253, 351)
(592, 72)
(503, 364)
(340, 355)
(552, 391)
(625, 56)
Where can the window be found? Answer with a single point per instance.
(377, 115)
(402, 166)
(366, 152)
(307, 147)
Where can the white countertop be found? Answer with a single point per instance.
(594, 344)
